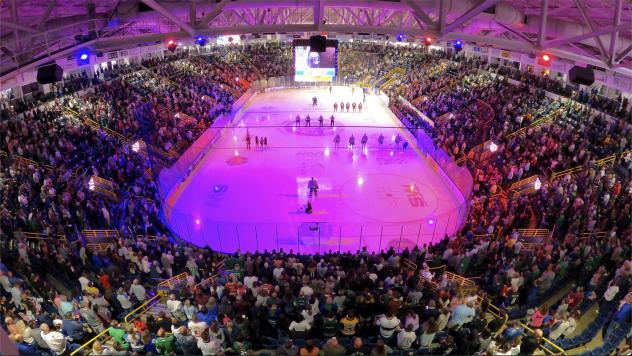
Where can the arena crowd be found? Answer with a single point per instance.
(56, 294)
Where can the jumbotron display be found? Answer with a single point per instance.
(310, 66)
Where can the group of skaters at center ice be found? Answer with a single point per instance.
(365, 139)
(259, 141)
(308, 120)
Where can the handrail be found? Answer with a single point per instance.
(98, 246)
(600, 163)
(533, 232)
(524, 181)
(89, 342)
(210, 280)
(462, 281)
(598, 234)
(107, 130)
(100, 233)
(142, 306)
(40, 236)
(521, 131)
(410, 264)
(173, 280)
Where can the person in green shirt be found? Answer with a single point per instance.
(165, 342)
(240, 346)
(117, 334)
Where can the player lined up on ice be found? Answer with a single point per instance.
(308, 120)
(398, 139)
(352, 141)
(364, 140)
(259, 141)
(348, 106)
(337, 141)
(312, 185)
(263, 141)
(314, 101)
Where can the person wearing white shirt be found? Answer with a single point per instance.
(175, 307)
(123, 299)
(55, 340)
(209, 346)
(276, 273)
(4, 282)
(560, 329)
(249, 281)
(406, 338)
(388, 325)
(196, 326)
(84, 281)
(307, 291)
(138, 290)
(16, 295)
(300, 327)
(611, 292)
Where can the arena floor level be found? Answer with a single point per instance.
(254, 199)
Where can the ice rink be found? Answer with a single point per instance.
(254, 199)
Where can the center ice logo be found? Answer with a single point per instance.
(410, 195)
(414, 197)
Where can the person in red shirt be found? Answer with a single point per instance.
(105, 281)
(575, 298)
(232, 285)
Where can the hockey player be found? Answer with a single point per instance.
(405, 146)
(342, 106)
(314, 101)
(398, 139)
(248, 138)
(337, 140)
(352, 142)
(331, 120)
(256, 141)
(364, 140)
(348, 106)
(307, 121)
(359, 107)
(335, 107)
(312, 185)
(380, 140)
(298, 120)
(320, 120)
(353, 106)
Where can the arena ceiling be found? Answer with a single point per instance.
(598, 32)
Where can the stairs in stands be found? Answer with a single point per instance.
(389, 78)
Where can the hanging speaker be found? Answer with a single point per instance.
(318, 43)
(50, 73)
(581, 75)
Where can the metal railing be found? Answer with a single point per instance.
(142, 309)
(173, 281)
(102, 335)
(600, 163)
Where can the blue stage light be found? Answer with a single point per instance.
(83, 57)
(200, 40)
(458, 45)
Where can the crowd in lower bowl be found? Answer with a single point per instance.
(56, 295)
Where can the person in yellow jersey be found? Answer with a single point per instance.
(349, 323)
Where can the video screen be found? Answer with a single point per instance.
(314, 66)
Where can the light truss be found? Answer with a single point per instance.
(606, 44)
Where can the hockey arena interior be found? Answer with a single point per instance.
(315, 177)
